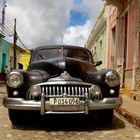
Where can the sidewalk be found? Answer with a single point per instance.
(130, 109)
(2, 88)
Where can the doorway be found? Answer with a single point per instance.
(3, 61)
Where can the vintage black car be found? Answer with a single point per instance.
(62, 79)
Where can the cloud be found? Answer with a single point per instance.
(42, 22)
(93, 7)
(39, 22)
(77, 35)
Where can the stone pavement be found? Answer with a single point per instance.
(130, 109)
(2, 88)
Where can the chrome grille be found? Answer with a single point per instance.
(68, 90)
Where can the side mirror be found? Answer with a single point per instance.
(97, 63)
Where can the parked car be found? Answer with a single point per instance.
(62, 79)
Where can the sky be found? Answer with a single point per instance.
(45, 22)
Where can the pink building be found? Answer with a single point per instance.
(124, 42)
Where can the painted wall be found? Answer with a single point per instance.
(25, 58)
(112, 37)
(132, 23)
(124, 19)
(100, 50)
(97, 40)
(4, 54)
(19, 51)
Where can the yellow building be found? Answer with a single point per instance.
(25, 58)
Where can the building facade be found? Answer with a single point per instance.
(7, 57)
(19, 51)
(123, 41)
(97, 40)
(4, 54)
(126, 46)
(25, 58)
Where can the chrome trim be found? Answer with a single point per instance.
(71, 88)
(65, 83)
(21, 104)
(42, 110)
(68, 90)
(65, 76)
(17, 73)
(112, 73)
(58, 112)
(86, 103)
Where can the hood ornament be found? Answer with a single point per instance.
(65, 75)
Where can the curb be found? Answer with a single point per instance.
(132, 118)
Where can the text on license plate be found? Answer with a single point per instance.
(64, 101)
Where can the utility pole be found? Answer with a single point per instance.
(14, 45)
(3, 14)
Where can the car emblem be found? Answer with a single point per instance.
(65, 75)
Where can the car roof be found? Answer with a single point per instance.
(60, 46)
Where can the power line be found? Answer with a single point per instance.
(6, 27)
(22, 42)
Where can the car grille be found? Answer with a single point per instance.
(65, 90)
(51, 91)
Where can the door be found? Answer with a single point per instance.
(3, 61)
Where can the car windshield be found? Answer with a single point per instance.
(43, 54)
(47, 54)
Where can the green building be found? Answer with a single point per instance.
(4, 54)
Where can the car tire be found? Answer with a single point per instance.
(18, 116)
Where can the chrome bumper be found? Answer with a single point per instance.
(46, 108)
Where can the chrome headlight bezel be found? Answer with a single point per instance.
(95, 92)
(112, 78)
(14, 79)
(35, 90)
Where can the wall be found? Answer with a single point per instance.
(19, 51)
(24, 59)
(97, 41)
(112, 37)
(4, 50)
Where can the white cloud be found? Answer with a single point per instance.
(41, 22)
(77, 35)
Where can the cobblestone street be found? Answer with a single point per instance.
(64, 128)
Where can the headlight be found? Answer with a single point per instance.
(15, 79)
(35, 90)
(95, 92)
(112, 79)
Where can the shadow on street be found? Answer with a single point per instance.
(70, 123)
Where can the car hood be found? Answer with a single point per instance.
(54, 67)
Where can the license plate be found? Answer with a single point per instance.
(64, 101)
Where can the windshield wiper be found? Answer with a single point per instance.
(42, 56)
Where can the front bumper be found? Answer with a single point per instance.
(45, 107)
